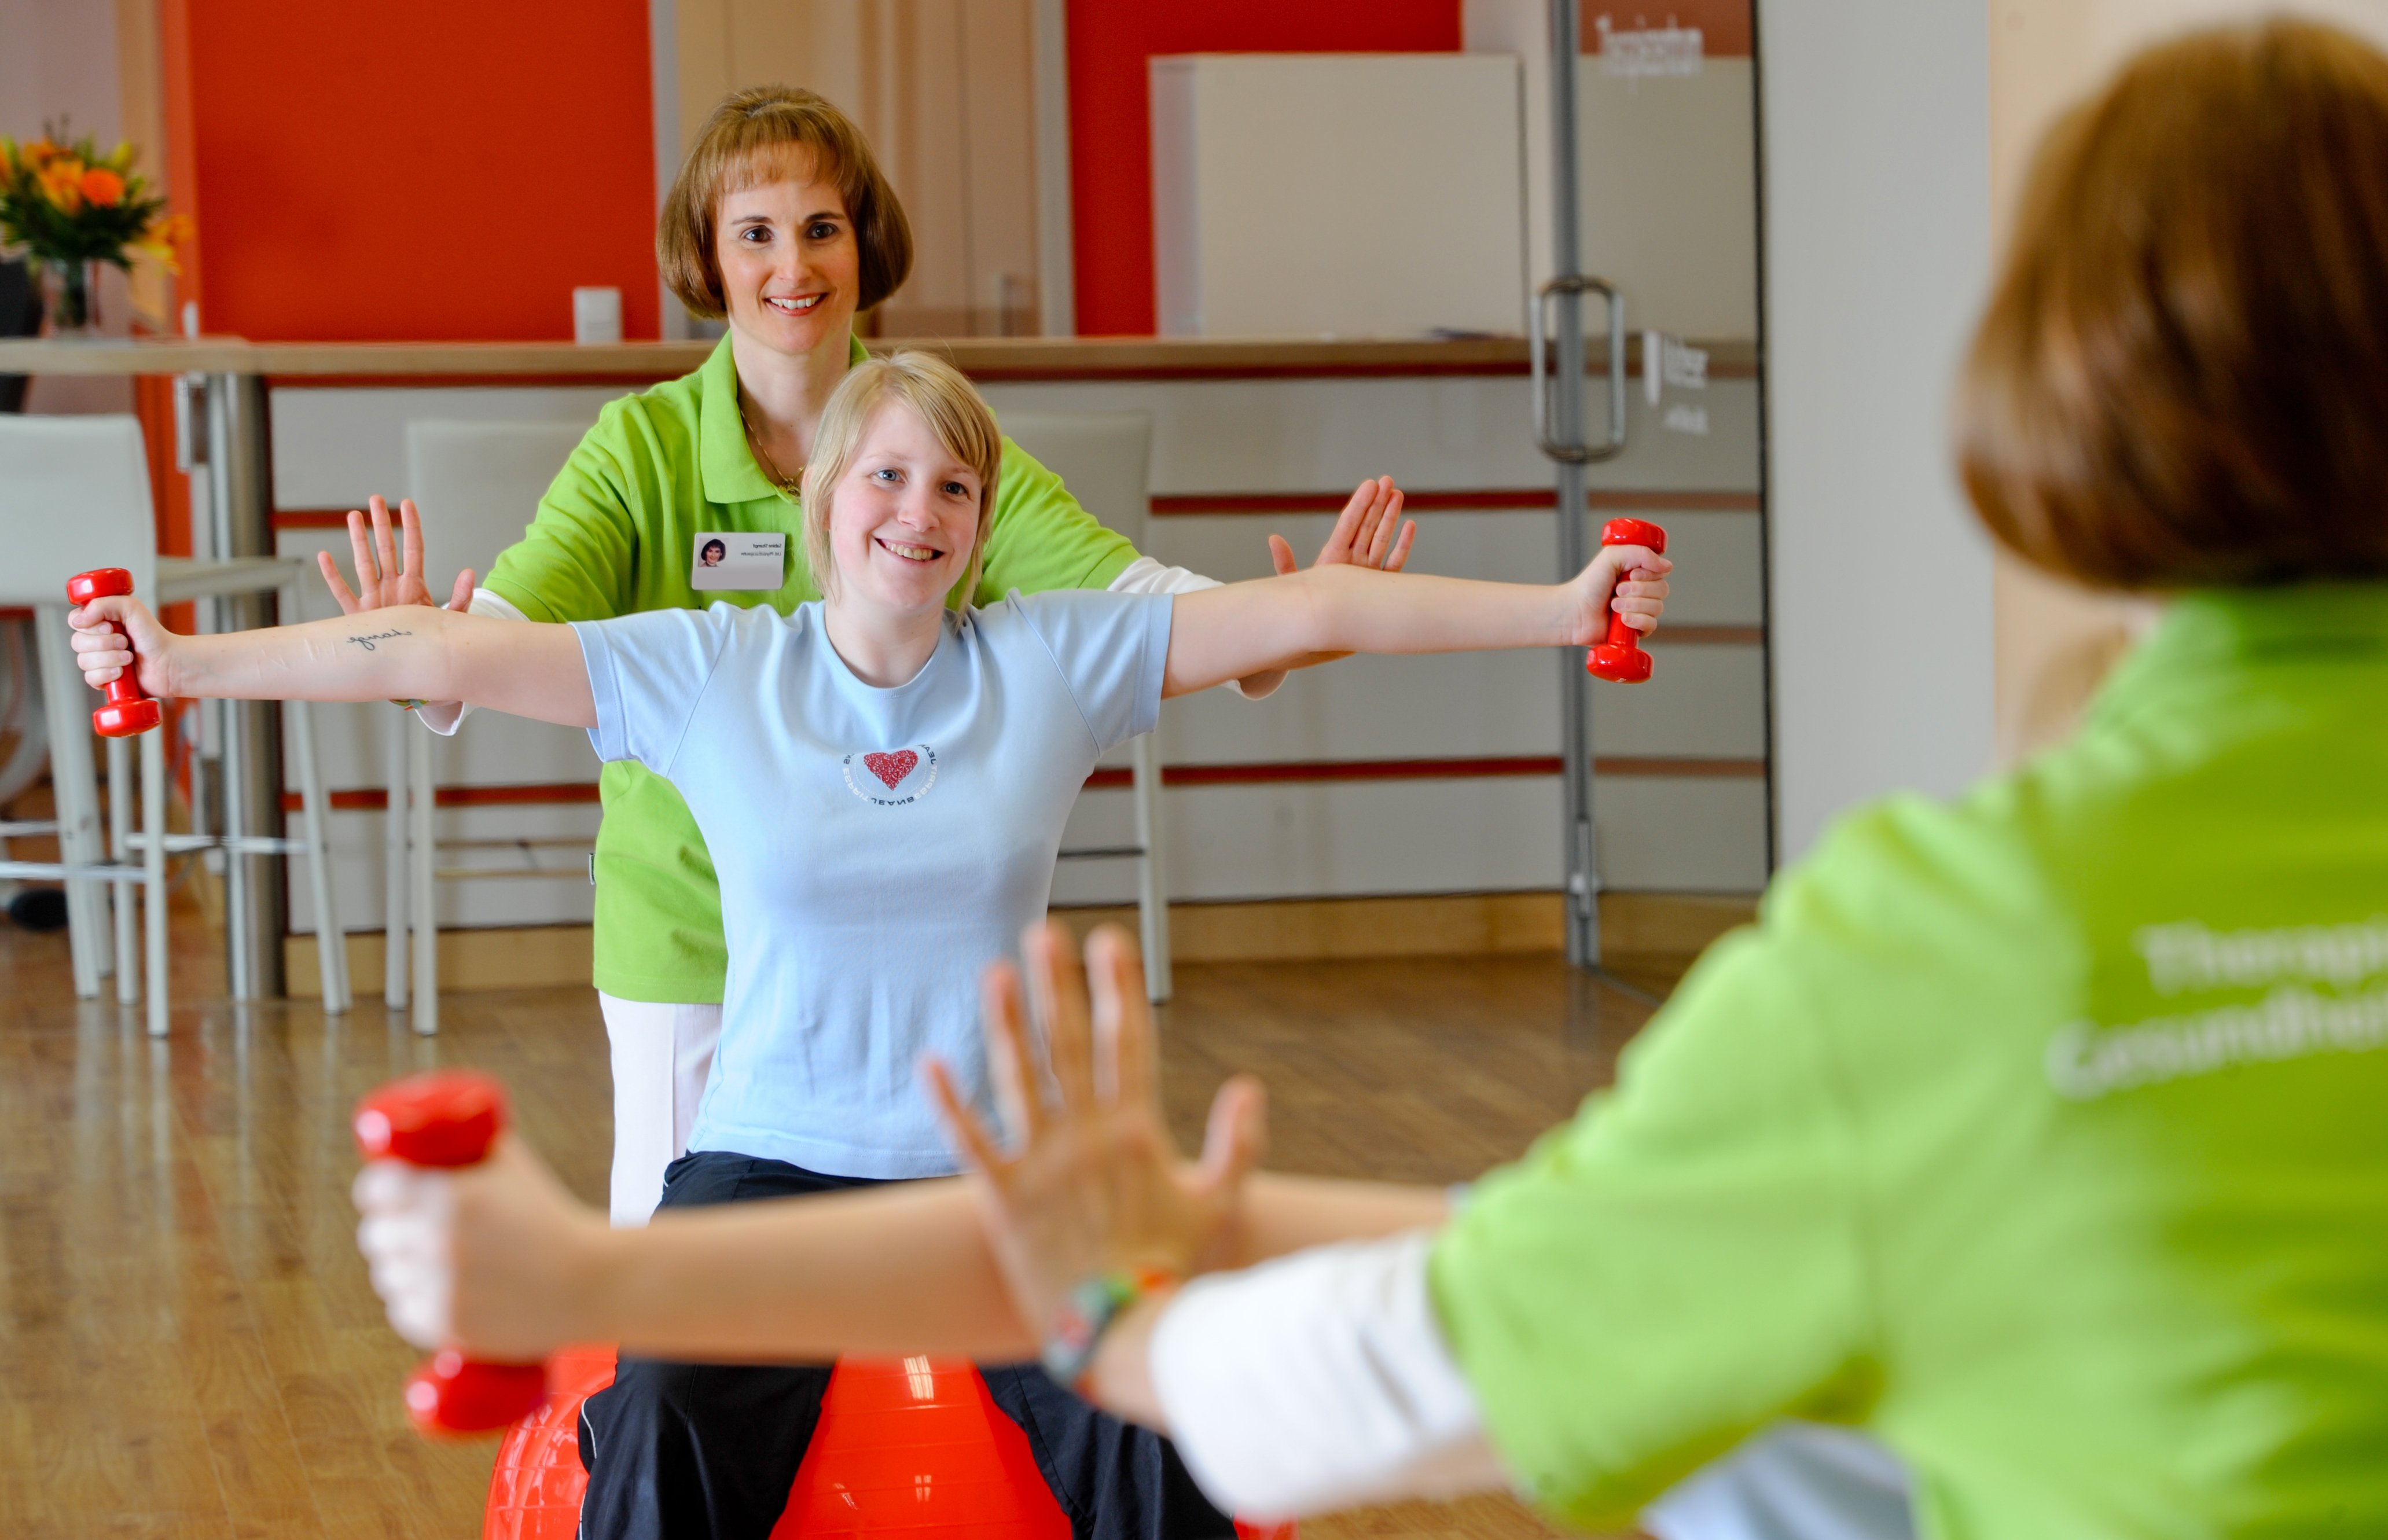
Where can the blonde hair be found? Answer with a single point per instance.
(957, 415)
(748, 141)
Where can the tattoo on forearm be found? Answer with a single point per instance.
(367, 642)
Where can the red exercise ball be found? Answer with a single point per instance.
(535, 1491)
(907, 1443)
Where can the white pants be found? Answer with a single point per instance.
(1791, 1480)
(662, 1054)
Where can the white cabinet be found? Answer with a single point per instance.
(1357, 195)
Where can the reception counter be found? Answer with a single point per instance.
(1292, 798)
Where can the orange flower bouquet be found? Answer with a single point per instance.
(71, 208)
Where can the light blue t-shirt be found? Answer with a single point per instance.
(876, 848)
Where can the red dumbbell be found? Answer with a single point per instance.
(128, 710)
(446, 1119)
(1621, 657)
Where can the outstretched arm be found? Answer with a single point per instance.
(499, 1259)
(1243, 629)
(412, 653)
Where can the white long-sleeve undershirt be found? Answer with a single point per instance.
(1319, 1380)
(445, 717)
(1141, 576)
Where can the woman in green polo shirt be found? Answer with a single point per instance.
(2040, 1132)
(780, 221)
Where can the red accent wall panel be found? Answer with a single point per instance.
(1111, 122)
(445, 170)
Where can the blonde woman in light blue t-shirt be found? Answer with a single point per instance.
(883, 783)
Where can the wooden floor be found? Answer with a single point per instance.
(188, 1346)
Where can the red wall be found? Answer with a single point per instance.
(1111, 121)
(441, 170)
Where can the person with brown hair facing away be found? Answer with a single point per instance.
(781, 223)
(884, 783)
(2038, 1132)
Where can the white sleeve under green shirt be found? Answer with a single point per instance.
(617, 534)
(2041, 1134)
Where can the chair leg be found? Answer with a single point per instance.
(422, 881)
(238, 870)
(1152, 885)
(331, 941)
(154, 895)
(120, 850)
(393, 867)
(65, 698)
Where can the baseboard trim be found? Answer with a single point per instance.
(1639, 925)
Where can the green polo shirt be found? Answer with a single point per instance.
(615, 534)
(2045, 1134)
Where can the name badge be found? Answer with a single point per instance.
(727, 561)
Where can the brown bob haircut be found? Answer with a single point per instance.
(754, 136)
(2182, 377)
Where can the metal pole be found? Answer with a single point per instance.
(240, 498)
(1567, 417)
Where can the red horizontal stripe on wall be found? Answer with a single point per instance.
(1466, 499)
(1300, 770)
(1289, 772)
(528, 794)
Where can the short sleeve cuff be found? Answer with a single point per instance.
(610, 737)
(1153, 671)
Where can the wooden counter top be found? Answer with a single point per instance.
(985, 358)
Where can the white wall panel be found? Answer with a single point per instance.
(1669, 183)
(1702, 702)
(1296, 194)
(1352, 839)
(1878, 254)
(335, 447)
(1466, 431)
(357, 869)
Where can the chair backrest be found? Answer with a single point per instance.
(477, 485)
(1105, 458)
(74, 495)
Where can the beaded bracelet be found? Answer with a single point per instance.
(1092, 1306)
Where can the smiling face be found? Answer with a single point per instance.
(903, 517)
(791, 270)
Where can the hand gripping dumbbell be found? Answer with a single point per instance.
(1621, 657)
(446, 1119)
(128, 710)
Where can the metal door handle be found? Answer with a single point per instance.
(1543, 380)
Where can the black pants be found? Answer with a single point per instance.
(681, 1450)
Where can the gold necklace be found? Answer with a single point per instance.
(791, 485)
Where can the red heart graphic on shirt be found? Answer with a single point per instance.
(891, 768)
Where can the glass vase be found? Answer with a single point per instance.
(71, 298)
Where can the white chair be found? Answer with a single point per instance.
(74, 495)
(476, 486)
(1105, 458)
